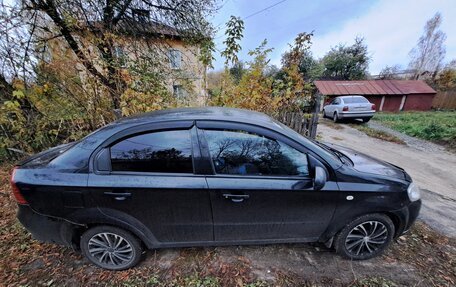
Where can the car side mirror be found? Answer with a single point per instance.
(319, 178)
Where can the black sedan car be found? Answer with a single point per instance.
(209, 176)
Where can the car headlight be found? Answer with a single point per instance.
(413, 192)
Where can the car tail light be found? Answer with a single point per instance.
(345, 109)
(373, 107)
(16, 191)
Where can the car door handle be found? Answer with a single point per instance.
(118, 195)
(236, 197)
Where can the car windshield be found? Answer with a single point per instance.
(309, 142)
(339, 155)
(355, 100)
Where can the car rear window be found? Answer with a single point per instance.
(356, 100)
(165, 151)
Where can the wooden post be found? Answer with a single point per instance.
(315, 114)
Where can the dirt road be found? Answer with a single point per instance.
(434, 170)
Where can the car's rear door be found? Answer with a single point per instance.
(149, 174)
(261, 187)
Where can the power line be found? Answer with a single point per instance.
(257, 12)
(249, 16)
(264, 9)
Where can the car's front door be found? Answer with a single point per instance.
(151, 178)
(262, 188)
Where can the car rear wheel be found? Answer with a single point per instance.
(365, 237)
(335, 118)
(111, 247)
(365, 120)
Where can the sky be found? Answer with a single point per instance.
(391, 28)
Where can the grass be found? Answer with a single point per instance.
(436, 126)
(377, 134)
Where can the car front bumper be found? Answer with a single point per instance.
(44, 228)
(408, 216)
(355, 115)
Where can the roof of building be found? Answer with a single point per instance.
(374, 87)
(132, 26)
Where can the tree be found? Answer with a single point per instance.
(254, 90)
(51, 98)
(446, 80)
(91, 31)
(259, 87)
(5, 89)
(427, 56)
(309, 67)
(390, 73)
(295, 92)
(237, 70)
(347, 63)
(234, 33)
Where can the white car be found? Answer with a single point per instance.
(349, 107)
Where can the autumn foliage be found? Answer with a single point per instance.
(260, 91)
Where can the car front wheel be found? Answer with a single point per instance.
(365, 237)
(111, 247)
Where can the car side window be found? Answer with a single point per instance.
(164, 151)
(243, 153)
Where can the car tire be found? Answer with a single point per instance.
(111, 248)
(365, 120)
(324, 114)
(335, 118)
(365, 237)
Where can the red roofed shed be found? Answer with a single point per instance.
(387, 95)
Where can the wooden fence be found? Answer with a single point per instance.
(445, 100)
(302, 123)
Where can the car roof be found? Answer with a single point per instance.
(96, 138)
(202, 113)
(351, 96)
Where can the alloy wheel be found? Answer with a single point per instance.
(110, 249)
(366, 238)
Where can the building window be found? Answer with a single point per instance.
(119, 54)
(45, 53)
(179, 91)
(167, 151)
(175, 58)
(141, 15)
